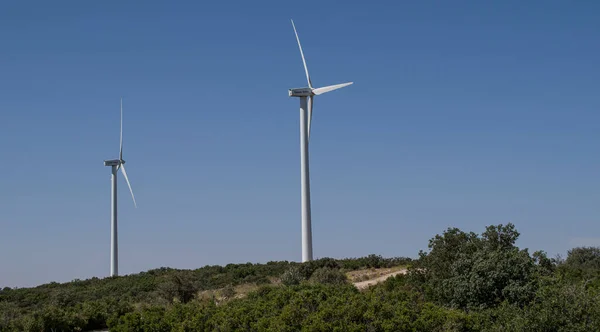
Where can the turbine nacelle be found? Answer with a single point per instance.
(309, 92)
(301, 92)
(114, 162)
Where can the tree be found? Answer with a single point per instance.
(582, 263)
(467, 271)
(179, 286)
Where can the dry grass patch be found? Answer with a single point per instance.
(368, 274)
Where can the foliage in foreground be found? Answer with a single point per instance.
(83, 305)
(391, 306)
(464, 282)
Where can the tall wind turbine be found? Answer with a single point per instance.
(115, 165)
(305, 120)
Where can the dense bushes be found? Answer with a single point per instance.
(86, 316)
(310, 307)
(329, 276)
(372, 261)
(557, 306)
(91, 304)
(464, 282)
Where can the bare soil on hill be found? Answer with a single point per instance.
(381, 278)
(363, 279)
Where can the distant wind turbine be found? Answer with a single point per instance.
(116, 164)
(305, 120)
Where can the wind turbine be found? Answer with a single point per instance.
(305, 120)
(116, 164)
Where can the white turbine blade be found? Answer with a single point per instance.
(121, 144)
(310, 106)
(320, 91)
(302, 54)
(128, 184)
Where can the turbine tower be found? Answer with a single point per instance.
(115, 165)
(307, 96)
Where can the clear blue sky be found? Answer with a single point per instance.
(462, 114)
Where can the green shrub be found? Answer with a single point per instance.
(292, 276)
(329, 276)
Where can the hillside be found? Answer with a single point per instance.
(89, 304)
(464, 282)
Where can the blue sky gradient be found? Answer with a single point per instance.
(462, 114)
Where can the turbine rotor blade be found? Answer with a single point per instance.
(320, 91)
(310, 107)
(121, 144)
(302, 54)
(128, 184)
